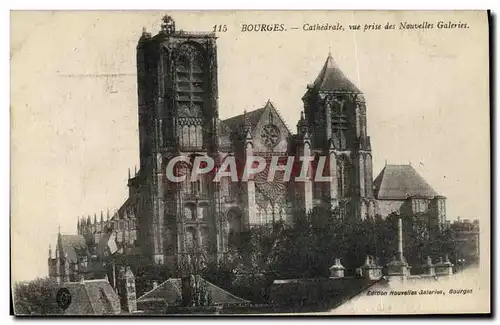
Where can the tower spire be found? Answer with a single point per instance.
(331, 78)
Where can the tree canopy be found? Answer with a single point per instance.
(309, 246)
(36, 297)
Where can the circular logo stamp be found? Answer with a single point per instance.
(63, 298)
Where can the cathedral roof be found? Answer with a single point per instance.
(399, 182)
(251, 118)
(236, 123)
(331, 78)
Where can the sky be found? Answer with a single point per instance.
(74, 128)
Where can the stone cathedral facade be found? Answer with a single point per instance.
(179, 115)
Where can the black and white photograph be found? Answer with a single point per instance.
(219, 163)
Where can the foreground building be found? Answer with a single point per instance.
(179, 116)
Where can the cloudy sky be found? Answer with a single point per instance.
(74, 130)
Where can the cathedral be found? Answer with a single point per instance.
(179, 116)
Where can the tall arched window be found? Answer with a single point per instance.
(362, 177)
(234, 219)
(191, 239)
(321, 190)
(190, 211)
(199, 136)
(260, 215)
(339, 123)
(343, 173)
(371, 209)
(203, 211)
(190, 91)
(342, 209)
(368, 174)
(185, 136)
(205, 238)
(363, 210)
(192, 136)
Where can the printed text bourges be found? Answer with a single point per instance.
(423, 292)
(336, 26)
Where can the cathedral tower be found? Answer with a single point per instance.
(336, 114)
(177, 92)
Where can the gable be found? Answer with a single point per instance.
(270, 134)
(92, 297)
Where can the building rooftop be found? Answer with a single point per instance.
(399, 182)
(331, 78)
(92, 297)
(171, 292)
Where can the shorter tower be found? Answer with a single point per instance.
(335, 110)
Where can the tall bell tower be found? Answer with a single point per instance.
(336, 114)
(178, 113)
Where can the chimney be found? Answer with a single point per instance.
(370, 270)
(429, 268)
(155, 284)
(187, 283)
(127, 292)
(337, 269)
(444, 267)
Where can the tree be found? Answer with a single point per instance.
(36, 297)
(308, 247)
(256, 248)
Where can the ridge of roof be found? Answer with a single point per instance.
(397, 182)
(236, 122)
(175, 282)
(279, 115)
(252, 118)
(146, 293)
(331, 78)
